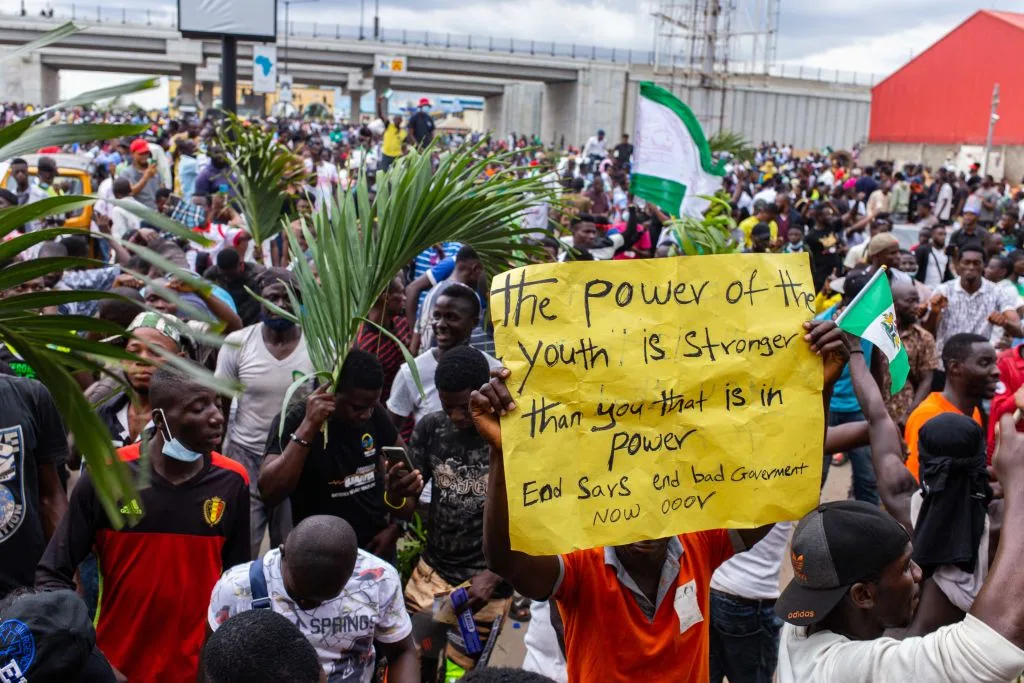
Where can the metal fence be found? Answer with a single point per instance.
(167, 18)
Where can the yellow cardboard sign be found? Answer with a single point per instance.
(657, 397)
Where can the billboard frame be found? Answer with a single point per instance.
(247, 37)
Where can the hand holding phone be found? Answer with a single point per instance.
(403, 480)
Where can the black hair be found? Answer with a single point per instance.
(500, 674)
(166, 386)
(120, 311)
(228, 259)
(163, 193)
(466, 253)
(461, 368)
(1005, 263)
(457, 290)
(551, 242)
(361, 370)
(761, 230)
(974, 246)
(46, 164)
(17, 161)
(958, 347)
(855, 281)
(582, 218)
(76, 246)
(260, 646)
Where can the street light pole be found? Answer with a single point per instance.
(992, 118)
(376, 19)
(362, 15)
(288, 27)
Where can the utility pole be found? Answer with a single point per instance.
(992, 118)
(229, 74)
(376, 19)
(288, 27)
(362, 17)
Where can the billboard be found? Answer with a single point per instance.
(389, 65)
(247, 19)
(264, 68)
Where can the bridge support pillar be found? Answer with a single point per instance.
(206, 95)
(187, 91)
(576, 110)
(494, 115)
(29, 80)
(355, 106)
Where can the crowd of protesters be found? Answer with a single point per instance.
(908, 581)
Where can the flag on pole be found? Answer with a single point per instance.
(672, 163)
(871, 316)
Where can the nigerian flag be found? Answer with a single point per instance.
(672, 163)
(871, 316)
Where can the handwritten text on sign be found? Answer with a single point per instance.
(657, 397)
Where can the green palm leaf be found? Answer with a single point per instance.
(361, 244)
(262, 169)
(57, 34)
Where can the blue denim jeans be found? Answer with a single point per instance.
(865, 486)
(744, 640)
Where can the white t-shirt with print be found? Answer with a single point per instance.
(342, 630)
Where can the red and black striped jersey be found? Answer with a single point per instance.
(155, 577)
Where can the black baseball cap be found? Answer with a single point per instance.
(49, 638)
(835, 546)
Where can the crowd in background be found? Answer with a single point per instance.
(334, 480)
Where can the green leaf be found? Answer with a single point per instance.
(111, 476)
(104, 93)
(18, 245)
(47, 135)
(48, 38)
(15, 217)
(16, 274)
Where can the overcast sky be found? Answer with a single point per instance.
(869, 36)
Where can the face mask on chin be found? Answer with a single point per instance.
(174, 449)
(276, 324)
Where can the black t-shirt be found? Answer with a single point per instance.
(825, 247)
(31, 435)
(345, 478)
(457, 462)
(960, 239)
(422, 126)
(623, 152)
(248, 306)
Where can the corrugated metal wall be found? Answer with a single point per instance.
(808, 117)
(805, 120)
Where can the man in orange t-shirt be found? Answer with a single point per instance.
(636, 612)
(972, 376)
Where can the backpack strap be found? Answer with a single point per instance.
(258, 585)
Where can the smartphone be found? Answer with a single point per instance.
(395, 454)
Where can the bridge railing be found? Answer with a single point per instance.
(167, 18)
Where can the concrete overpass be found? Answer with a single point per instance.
(564, 98)
(321, 61)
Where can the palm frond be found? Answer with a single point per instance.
(48, 38)
(263, 169)
(711, 234)
(732, 143)
(359, 245)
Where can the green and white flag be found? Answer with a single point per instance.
(871, 316)
(672, 163)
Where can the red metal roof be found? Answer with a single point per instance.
(943, 95)
(1009, 17)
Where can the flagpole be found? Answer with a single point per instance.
(881, 270)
